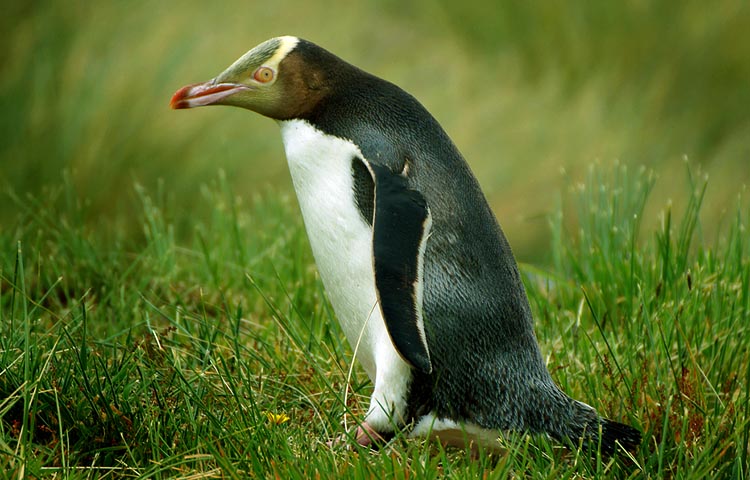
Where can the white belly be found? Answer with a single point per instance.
(341, 241)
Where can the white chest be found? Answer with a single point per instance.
(341, 241)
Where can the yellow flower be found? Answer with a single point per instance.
(277, 418)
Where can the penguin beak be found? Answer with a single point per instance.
(202, 94)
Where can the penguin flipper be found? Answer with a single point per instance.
(401, 224)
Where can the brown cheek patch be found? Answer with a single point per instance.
(302, 87)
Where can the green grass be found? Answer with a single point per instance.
(220, 357)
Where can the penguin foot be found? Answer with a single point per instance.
(364, 436)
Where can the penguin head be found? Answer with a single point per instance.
(282, 78)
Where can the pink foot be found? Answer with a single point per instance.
(364, 435)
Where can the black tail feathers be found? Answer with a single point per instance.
(614, 433)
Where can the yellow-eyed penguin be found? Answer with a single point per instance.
(415, 265)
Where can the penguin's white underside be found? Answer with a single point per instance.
(320, 167)
(341, 241)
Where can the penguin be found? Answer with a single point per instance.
(416, 267)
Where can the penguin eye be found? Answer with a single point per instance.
(263, 75)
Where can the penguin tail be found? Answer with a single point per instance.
(615, 433)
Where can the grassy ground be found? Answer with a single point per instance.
(219, 357)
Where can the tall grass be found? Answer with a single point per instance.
(221, 357)
(663, 321)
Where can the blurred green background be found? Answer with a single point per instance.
(527, 90)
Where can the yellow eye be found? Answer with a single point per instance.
(263, 75)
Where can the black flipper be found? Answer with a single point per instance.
(401, 224)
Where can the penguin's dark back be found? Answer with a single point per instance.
(477, 317)
(469, 267)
